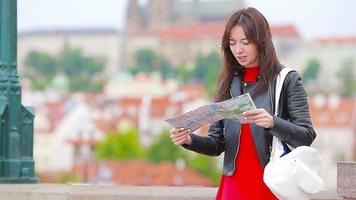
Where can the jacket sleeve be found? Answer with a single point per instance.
(294, 126)
(213, 144)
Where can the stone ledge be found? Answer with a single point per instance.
(96, 192)
(346, 179)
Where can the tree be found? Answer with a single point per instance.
(41, 62)
(74, 63)
(120, 146)
(347, 76)
(163, 149)
(206, 166)
(311, 71)
(207, 70)
(184, 73)
(148, 61)
(78, 68)
(166, 68)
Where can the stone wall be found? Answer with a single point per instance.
(96, 192)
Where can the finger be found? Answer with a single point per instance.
(178, 134)
(180, 142)
(253, 111)
(179, 137)
(258, 116)
(263, 123)
(177, 130)
(174, 130)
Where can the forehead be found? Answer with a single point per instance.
(237, 33)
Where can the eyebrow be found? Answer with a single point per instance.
(243, 39)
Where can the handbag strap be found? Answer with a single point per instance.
(278, 148)
(279, 84)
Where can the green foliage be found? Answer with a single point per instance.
(166, 68)
(206, 166)
(184, 73)
(148, 61)
(311, 71)
(40, 83)
(120, 146)
(205, 64)
(41, 62)
(74, 63)
(163, 149)
(78, 67)
(66, 177)
(207, 70)
(347, 76)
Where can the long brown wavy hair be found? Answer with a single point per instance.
(257, 31)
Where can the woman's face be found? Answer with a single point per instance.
(245, 52)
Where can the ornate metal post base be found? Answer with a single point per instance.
(16, 121)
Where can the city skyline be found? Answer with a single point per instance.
(322, 18)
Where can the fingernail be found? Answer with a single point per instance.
(244, 113)
(181, 129)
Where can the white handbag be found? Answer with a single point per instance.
(294, 176)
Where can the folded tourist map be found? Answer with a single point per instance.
(229, 109)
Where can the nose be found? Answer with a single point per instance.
(238, 49)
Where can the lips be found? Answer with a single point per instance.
(241, 58)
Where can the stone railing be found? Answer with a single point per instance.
(96, 192)
(346, 189)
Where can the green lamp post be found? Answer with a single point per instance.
(16, 121)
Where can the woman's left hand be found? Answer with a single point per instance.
(260, 116)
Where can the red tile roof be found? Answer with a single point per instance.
(216, 29)
(55, 113)
(342, 114)
(334, 40)
(159, 106)
(210, 29)
(140, 172)
(194, 91)
(284, 30)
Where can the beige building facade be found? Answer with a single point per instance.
(103, 43)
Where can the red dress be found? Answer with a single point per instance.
(247, 181)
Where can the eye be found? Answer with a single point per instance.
(232, 42)
(245, 42)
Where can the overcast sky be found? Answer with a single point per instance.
(313, 18)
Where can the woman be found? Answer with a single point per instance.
(251, 65)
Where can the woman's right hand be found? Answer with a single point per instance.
(180, 136)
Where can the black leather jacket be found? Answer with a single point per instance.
(292, 125)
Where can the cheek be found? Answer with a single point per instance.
(232, 49)
(253, 52)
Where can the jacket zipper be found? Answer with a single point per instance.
(237, 151)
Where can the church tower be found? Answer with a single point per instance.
(159, 12)
(136, 19)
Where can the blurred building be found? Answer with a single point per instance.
(177, 29)
(334, 120)
(159, 14)
(184, 43)
(332, 54)
(102, 43)
(139, 172)
(67, 129)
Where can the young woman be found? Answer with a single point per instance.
(251, 65)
